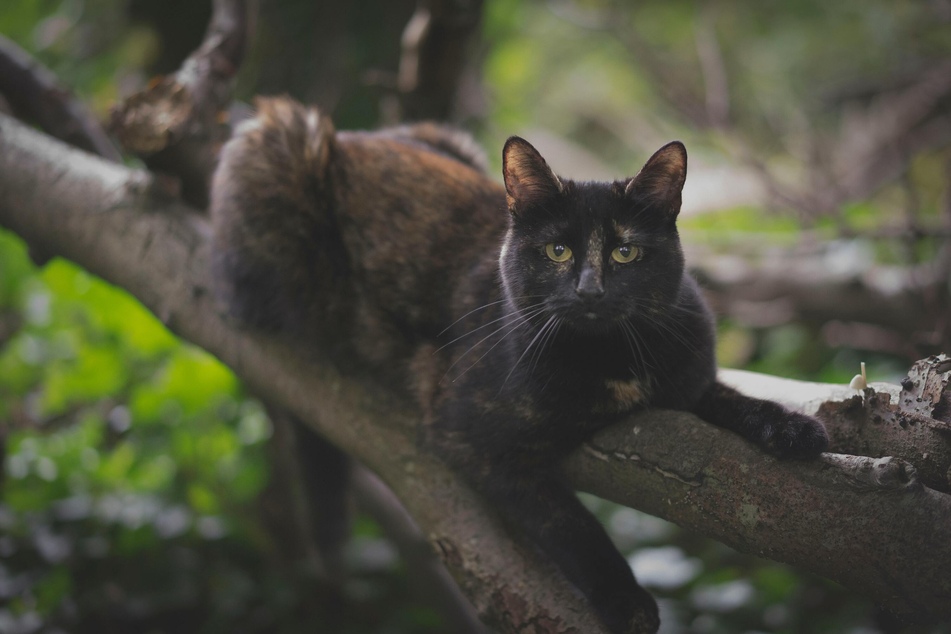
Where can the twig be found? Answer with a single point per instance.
(434, 57)
(715, 81)
(426, 571)
(36, 95)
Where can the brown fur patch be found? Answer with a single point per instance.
(622, 396)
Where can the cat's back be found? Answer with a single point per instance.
(419, 214)
(365, 235)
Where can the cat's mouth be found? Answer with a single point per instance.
(589, 321)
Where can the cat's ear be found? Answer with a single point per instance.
(528, 179)
(661, 180)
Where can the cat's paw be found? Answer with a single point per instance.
(626, 614)
(795, 436)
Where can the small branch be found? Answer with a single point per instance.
(876, 143)
(36, 95)
(769, 287)
(435, 44)
(178, 123)
(667, 79)
(715, 80)
(926, 391)
(426, 572)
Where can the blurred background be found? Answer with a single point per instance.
(137, 491)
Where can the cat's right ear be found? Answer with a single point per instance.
(528, 179)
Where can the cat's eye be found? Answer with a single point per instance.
(625, 253)
(558, 252)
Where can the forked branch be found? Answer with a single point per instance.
(178, 123)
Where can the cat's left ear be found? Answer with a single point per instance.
(660, 182)
(528, 179)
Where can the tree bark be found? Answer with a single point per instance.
(871, 525)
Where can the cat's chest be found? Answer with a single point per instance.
(589, 394)
(620, 396)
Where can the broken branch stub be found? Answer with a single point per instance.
(926, 390)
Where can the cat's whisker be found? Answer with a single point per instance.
(540, 349)
(522, 320)
(517, 311)
(668, 327)
(547, 329)
(654, 364)
(628, 337)
(634, 342)
(476, 362)
(483, 307)
(541, 331)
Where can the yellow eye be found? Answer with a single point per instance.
(625, 253)
(558, 252)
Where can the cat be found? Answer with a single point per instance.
(523, 317)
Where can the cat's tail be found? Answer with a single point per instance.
(782, 432)
(272, 210)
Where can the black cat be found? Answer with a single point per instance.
(520, 332)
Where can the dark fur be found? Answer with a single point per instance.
(385, 247)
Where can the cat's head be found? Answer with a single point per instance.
(592, 254)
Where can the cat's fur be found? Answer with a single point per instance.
(394, 252)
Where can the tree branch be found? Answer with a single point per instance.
(768, 286)
(427, 573)
(433, 57)
(178, 122)
(875, 527)
(35, 94)
(866, 523)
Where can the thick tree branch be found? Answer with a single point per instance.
(873, 525)
(867, 523)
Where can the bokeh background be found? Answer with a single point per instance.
(137, 490)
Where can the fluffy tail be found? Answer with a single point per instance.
(275, 235)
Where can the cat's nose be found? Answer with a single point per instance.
(589, 285)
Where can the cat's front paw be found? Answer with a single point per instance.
(795, 435)
(637, 614)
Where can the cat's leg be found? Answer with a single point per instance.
(320, 475)
(543, 508)
(780, 431)
(326, 473)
